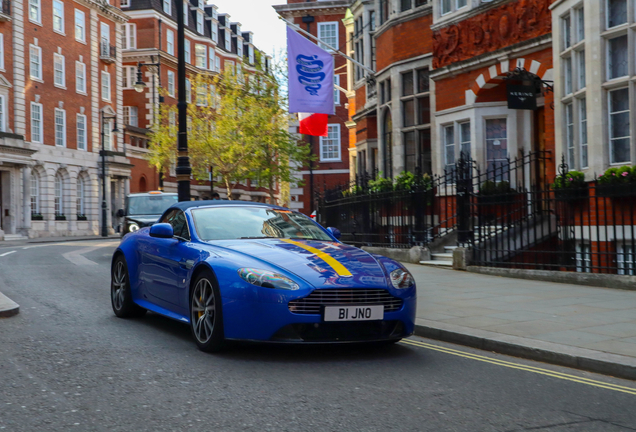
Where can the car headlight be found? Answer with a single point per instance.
(133, 227)
(267, 279)
(401, 278)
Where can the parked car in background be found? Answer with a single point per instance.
(143, 209)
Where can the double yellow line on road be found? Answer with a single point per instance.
(541, 371)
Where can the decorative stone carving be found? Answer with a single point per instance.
(498, 28)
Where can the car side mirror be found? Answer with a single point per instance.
(335, 232)
(121, 213)
(161, 230)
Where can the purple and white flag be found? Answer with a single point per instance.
(310, 76)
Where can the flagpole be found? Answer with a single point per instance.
(295, 27)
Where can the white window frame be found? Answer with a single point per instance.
(228, 39)
(82, 144)
(106, 86)
(80, 26)
(322, 143)
(201, 61)
(200, 28)
(80, 196)
(188, 91)
(336, 92)
(171, 82)
(58, 195)
(37, 5)
(170, 42)
(129, 31)
(38, 69)
(167, 6)
(61, 17)
(131, 112)
(608, 56)
(202, 95)
(621, 254)
(58, 59)
(129, 77)
(321, 27)
(211, 57)
(186, 12)
(79, 66)
(609, 129)
(607, 15)
(35, 197)
(217, 63)
(61, 141)
(583, 143)
(446, 127)
(3, 114)
(37, 123)
(215, 32)
(124, 3)
(187, 49)
(570, 146)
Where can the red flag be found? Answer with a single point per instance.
(313, 124)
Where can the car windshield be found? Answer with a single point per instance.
(249, 222)
(150, 204)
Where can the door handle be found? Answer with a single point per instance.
(187, 264)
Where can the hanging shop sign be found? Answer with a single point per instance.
(521, 97)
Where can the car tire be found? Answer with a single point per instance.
(206, 314)
(120, 294)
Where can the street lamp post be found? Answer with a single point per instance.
(183, 160)
(103, 155)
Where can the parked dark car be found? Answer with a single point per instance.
(144, 209)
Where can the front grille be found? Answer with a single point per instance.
(311, 305)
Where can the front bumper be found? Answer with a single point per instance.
(273, 322)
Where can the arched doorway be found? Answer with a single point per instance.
(142, 184)
(387, 139)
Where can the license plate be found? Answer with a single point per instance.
(353, 313)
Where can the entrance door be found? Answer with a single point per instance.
(497, 149)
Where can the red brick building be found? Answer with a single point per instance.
(213, 42)
(323, 19)
(59, 72)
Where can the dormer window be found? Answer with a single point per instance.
(228, 39)
(186, 12)
(200, 22)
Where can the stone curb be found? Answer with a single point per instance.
(8, 307)
(562, 355)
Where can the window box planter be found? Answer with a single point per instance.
(36, 217)
(616, 190)
(81, 217)
(60, 217)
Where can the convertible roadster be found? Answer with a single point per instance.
(237, 270)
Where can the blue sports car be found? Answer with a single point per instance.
(237, 270)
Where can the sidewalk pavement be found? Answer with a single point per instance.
(570, 325)
(13, 243)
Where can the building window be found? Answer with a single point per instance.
(617, 64)
(228, 65)
(124, 3)
(215, 32)
(330, 145)
(200, 52)
(171, 91)
(130, 116)
(616, 12)
(79, 198)
(107, 128)
(80, 26)
(581, 66)
(410, 152)
(217, 64)
(129, 77)
(449, 147)
(567, 31)
(569, 134)
(202, 95)
(619, 126)
(336, 92)
(129, 36)
(59, 195)
(567, 75)
(80, 77)
(580, 24)
(188, 57)
(200, 22)
(35, 193)
(405, 5)
(328, 33)
(60, 127)
(167, 7)
(170, 42)
(496, 148)
(211, 56)
(59, 73)
(188, 91)
(81, 132)
(583, 131)
(105, 86)
(387, 132)
(464, 139)
(446, 6)
(36, 62)
(36, 122)
(239, 47)
(3, 114)
(35, 11)
(58, 16)
(1, 51)
(583, 258)
(186, 12)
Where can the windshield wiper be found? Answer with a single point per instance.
(261, 237)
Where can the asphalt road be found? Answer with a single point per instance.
(67, 363)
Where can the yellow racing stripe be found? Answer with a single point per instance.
(331, 261)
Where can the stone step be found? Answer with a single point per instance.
(437, 263)
(442, 256)
(450, 249)
(13, 237)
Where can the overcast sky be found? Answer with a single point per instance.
(259, 17)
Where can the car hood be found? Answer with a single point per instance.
(320, 263)
(144, 219)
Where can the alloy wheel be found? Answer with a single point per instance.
(203, 314)
(119, 285)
